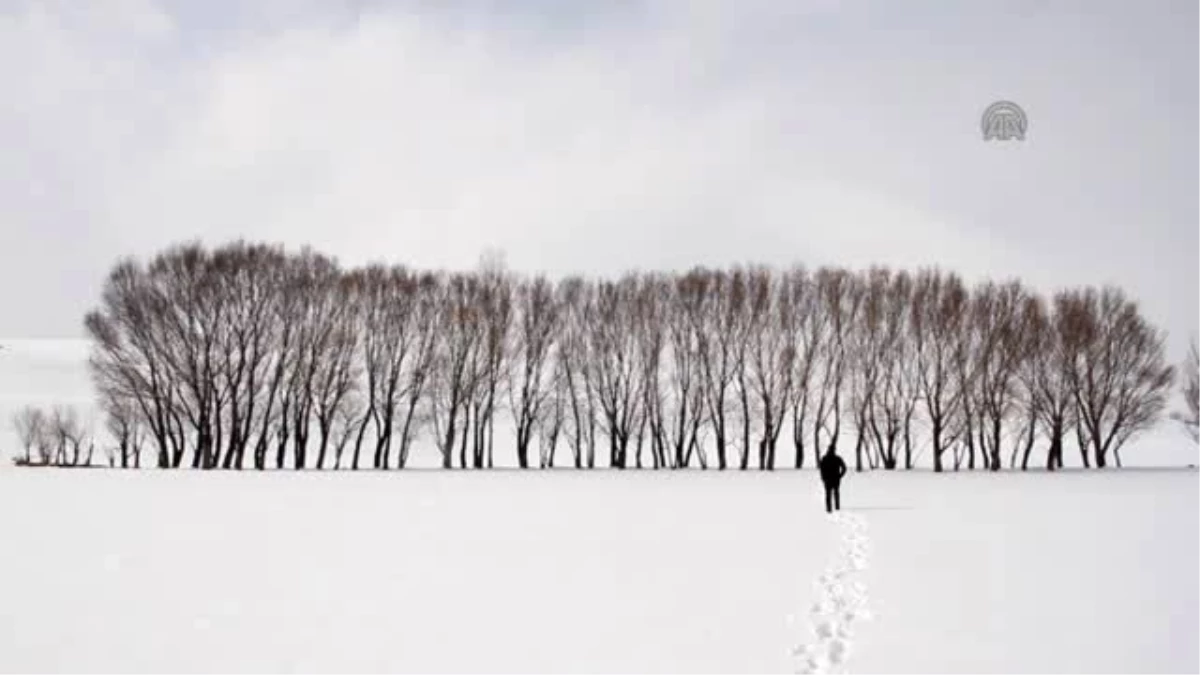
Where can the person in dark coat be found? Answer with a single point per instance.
(832, 469)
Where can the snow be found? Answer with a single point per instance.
(572, 571)
(842, 600)
(569, 571)
(1070, 572)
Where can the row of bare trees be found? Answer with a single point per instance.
(250, 356)
(57, 436)
(1189, 388)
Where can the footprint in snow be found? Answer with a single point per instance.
(841, 601)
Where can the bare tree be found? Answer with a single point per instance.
(937, 321)
(552, 419)
(719, 337)
(531, 382)
(868, 353)
(773, 320)
(892, 399)
(399, 322)
(336, 375)
(650, 313)
(1035, 340)
(193, 319)
(128, 355)
(496, 310)
(126, 430)
(460, 329)
(1120, 378)
(372, 289)
(420, 372)
(30, 424)
(322, 351)
(69, 437)
(612, 336)
(840, 299)
(684, 302)
(741, 365)
(345, 425)
(1050, 344)
(811, 323)
(576, 299)
(1189, 389)
(252, 275)
(996, 318)
(284, 353)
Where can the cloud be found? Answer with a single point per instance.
(653, 135)
(640, 135)
(401, 134)
(600, 138)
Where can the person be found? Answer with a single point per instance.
(832, 470)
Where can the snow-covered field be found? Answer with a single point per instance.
(572, 571)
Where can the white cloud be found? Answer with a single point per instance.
(406, 139)
(657, 135)
(599, 138)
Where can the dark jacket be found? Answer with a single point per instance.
(832, 469)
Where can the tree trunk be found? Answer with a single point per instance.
(1028, 447)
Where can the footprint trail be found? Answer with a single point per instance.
(841, 602)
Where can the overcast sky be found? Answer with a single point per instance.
(601, 137)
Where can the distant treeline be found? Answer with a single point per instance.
(250, 356)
